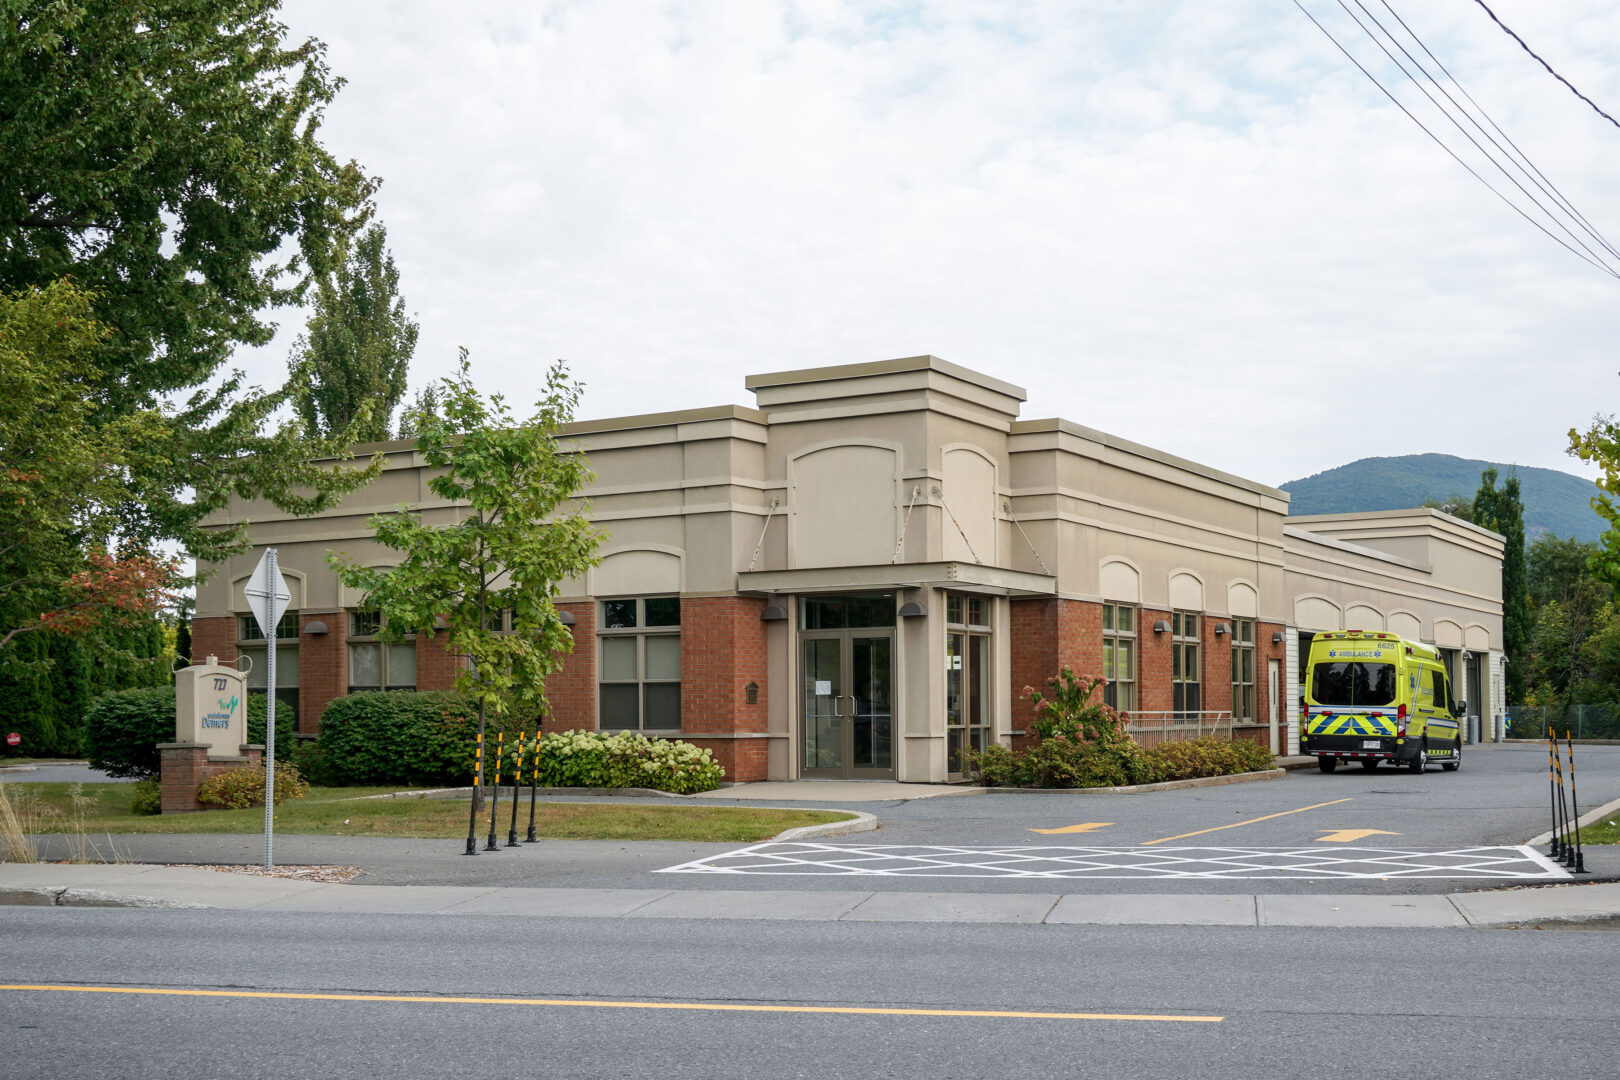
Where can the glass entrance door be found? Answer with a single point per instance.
(847, 704)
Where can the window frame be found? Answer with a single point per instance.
(969, 618)
(365, 635)
(1186, 656)
(1244, 695)
(1113, 639)
(641, 632)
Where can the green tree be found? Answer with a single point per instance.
(349, 369)
(1600, 445)
(520, 534)
(164, 155)
(1501, 510)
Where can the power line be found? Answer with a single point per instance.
(1594, 262)
(1557, 195)
(1447, 114)
(1546, 65)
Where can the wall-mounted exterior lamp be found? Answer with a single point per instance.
(773, 613)
(315, 629)
(1277, 637)
(911, 609)
(566, 618)
(1162, 626)
(1222, 628)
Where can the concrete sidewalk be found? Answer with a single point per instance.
(134, 885)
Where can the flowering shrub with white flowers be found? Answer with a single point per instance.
(597, 759)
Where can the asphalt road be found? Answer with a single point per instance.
(1174, 1002)
(1500, 796)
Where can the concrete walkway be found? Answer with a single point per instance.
(132, 885)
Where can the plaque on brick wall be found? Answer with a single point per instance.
(210, 705)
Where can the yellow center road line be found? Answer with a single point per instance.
(1235, 824)
(694, 1006)
(1087, 826)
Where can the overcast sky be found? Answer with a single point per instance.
(1193, 225)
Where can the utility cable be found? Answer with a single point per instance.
(1441, 143)
(1546, 65)
(1556, 194)
(1488, 155)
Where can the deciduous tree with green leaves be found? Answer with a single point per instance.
(1600, 445)
(349, 368)
(520, 532)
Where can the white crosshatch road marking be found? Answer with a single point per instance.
(1022, 861)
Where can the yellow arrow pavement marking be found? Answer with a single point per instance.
(1084, 827)
(699, 1006)
(1251, 821)
(1345, 836)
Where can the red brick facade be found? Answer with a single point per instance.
(185, 767)
(572, 691)
(215, 636)
(1048, 635)
(323, 666)
(722, 652)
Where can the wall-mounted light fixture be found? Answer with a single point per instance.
(911, 609)
(1222, 628)
(1161, 626)
(315, 629)
(1277, 637)
(566, 618)
(773, 613)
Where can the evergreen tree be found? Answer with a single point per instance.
(349, 369)
(1501, 510)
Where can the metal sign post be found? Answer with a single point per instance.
(267, 598)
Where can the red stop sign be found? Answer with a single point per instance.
(13, 739)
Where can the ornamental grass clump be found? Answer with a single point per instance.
(597, 759)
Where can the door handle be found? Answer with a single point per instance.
(838, 705)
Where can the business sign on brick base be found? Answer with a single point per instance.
(211, 707)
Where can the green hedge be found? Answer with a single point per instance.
(49, 683)
(403, 737)
(122, 729)
(597, 759)
(1117, 762)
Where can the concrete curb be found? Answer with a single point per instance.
(1588, 818)
(639, 792)
(1135, 789)
(862, 822)
(50, 896)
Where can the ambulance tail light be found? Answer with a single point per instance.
(1400, 721)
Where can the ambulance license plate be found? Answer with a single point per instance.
(1371, 744)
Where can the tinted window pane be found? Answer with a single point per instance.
(1353, 684)
(663, 705)
(663, 656)
(256, 674)
(618, 658)
(618, 614)
(365, 665)
(401, 666)
(953, 609)
(1125, 619)
(619, 706)
(1124, 664)
(663, 611)
(976, 612)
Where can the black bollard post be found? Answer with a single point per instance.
(1574, 805)
(534, 782)
(1555, 849)
(517, 778)
(478, 782)
(1567, 849)
(495, 802)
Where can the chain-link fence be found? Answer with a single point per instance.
(1583, 721)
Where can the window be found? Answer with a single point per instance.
(1184, 668)
(251, 642)
(1243, 670)
(375, 664)
(639, 676)
(967, 679)
(1119, 656)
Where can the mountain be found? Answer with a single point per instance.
(1554, 501)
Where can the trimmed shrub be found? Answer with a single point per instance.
(597, 759)
(146, 797)
(122, 730)
(1067, 763)
(403, 737)
(1208, 756)
(238, 789)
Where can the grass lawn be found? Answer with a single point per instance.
(104, 808)
(1602, 832)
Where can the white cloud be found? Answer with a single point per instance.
(1195, 226)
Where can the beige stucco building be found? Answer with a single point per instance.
(859, 577)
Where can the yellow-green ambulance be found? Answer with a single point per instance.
(1373, 697)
